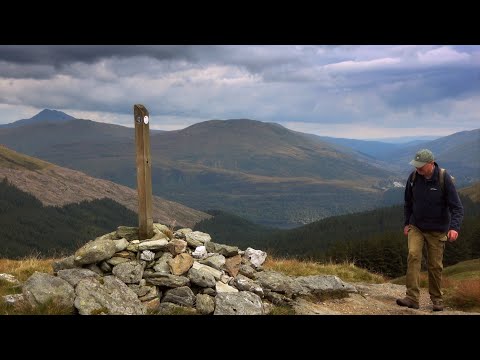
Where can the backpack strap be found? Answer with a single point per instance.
(442, 179)
(412, 182)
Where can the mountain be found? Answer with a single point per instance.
(260, 171)
(54, 185)
(50, 116)
(261, 149)
(406, 139)
(371, 148)
(472, 191)
(458, 153)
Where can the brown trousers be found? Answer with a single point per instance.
(435, 241)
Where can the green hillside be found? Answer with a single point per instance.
(469, 269)
(473, 192)
(27, 227)
(227, 228)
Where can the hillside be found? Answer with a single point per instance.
(249, 168)
(57, 186)
(473, 192)
(264, 149)
(27, 227)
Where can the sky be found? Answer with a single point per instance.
(359, 92)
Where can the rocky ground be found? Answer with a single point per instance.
(372, 299)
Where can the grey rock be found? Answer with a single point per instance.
(181, 296)
(73, 276)
(41, 288)
(205, 304)
(111, 296)
(241, 303)
(130, 272)
(95, 251)
(65, 263)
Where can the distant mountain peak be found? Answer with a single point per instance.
(46, 115)
(52, 115)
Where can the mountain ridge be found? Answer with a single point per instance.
(261, 171)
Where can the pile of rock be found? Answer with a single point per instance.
(118, 274)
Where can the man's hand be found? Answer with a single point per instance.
(452, 235)
(405, 230)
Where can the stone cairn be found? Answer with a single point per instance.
(172, 272)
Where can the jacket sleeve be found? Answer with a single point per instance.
(454, 204)
(408, 203)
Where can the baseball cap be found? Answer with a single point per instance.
(422, 157)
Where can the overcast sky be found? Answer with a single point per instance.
(360, 91)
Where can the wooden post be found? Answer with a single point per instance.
(144, 171)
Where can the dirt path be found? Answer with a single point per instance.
(372, 299)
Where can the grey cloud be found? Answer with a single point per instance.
(65, 54)
(429, 87)
(29, 71)
(255, 59)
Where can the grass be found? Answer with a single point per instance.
(469, 269)
(24, 308)
(282, 310)
(22, 270)
(463, 294)
(346, 271)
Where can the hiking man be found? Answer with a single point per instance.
(433, 214)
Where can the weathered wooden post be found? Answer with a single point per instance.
(144, 171)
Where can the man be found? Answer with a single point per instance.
(432, 215)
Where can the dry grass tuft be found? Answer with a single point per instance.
(463, 294)
(281, 310)
(22, 269)
(25, 308)
(346, 271)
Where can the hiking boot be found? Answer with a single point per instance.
(437, 306)
(408, 302)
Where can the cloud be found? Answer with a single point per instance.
(350, 65)
(375, 86)
(442, 55)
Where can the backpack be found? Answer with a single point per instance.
(441, 175)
